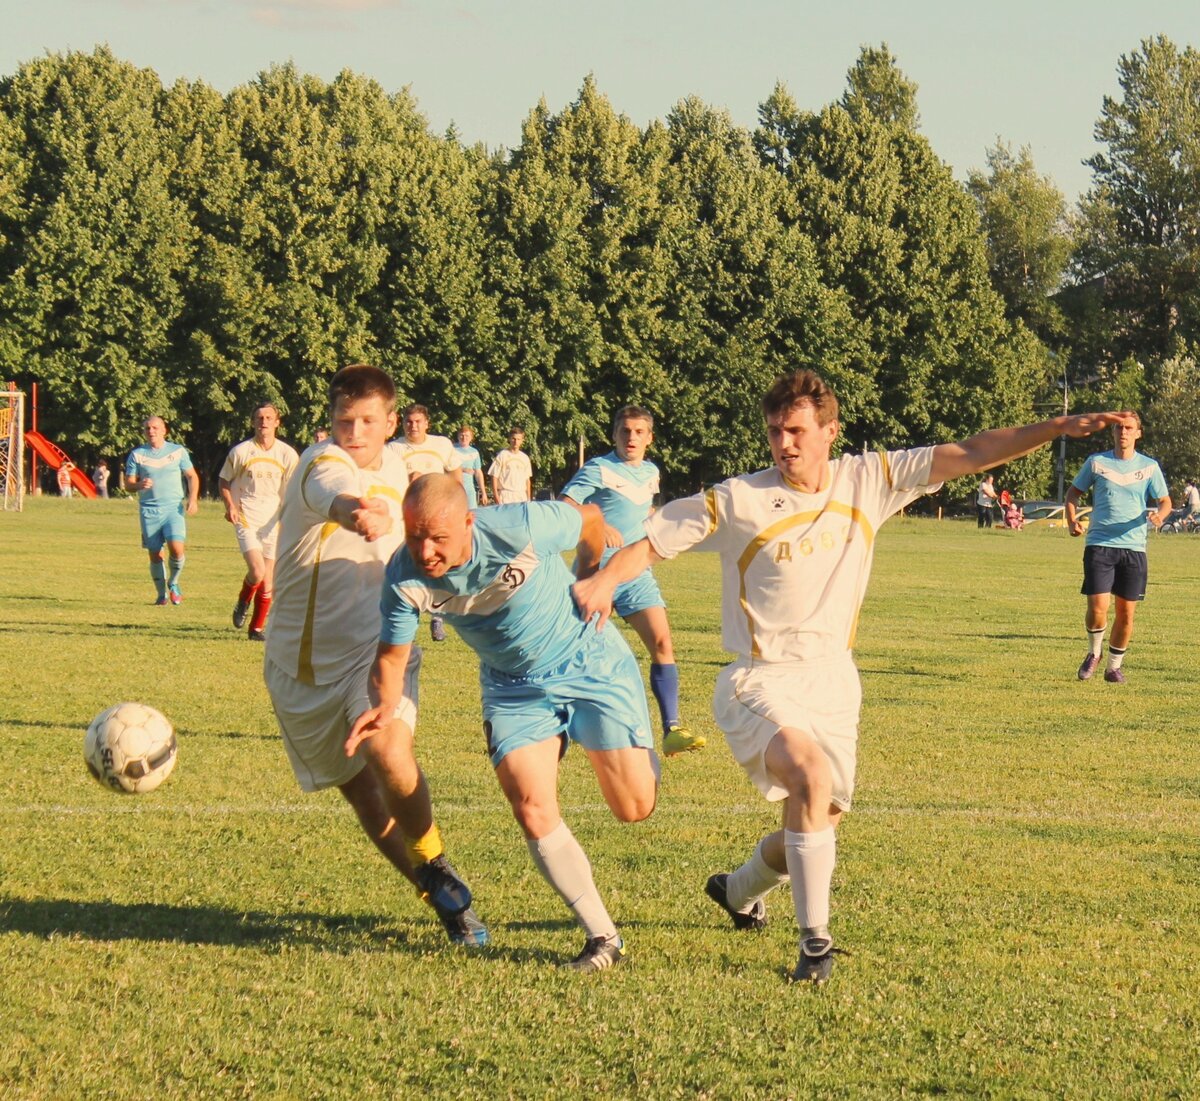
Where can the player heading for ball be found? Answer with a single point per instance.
(796, 543)
(340, 523)
(547, 678)
(252, 482)
(623, 485)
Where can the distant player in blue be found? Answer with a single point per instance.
(623, 484)
(1129, 492)
(157, 473)
(547, 677)
(472, 467)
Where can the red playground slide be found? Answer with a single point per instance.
(54, 456)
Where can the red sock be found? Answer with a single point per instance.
(248, 591)
(262, 605)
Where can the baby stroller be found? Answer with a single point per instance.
(1014, 518)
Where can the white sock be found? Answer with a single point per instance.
(1115, 657)
(753, 880)
(810, 860)
(565, 866)
(1096, 641)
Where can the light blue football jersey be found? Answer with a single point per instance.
(623, 491)
(471, 462)
(1122, 492)
(165, 466)
(510, 601)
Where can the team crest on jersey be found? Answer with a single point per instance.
(511, 577)
(778, 504)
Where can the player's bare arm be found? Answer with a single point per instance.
(594, 594)
(386, 691)
(193, 481)
(1158, 516)
(368, 516)
(612, 537)
(1069, 507)
(1000, 445)
(231, 512)
(591, 538)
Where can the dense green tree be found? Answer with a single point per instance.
(1172, 420)
(1141, 224)
(93, 286)
(1029, 237)
(877, 87)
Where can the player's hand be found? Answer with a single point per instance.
(192, 508)
(1075, 528)
(1085, 424)
(593, 598)
(612, 537)
(231, 515)
(372, 518)
(146, 483)
(1156, 521)
(371, 722)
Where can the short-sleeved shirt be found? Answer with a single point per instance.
(512, 471)
(623, 491)
(1191, 497)
(165, 467)
(325, 614)
(510, 601)
(257, 476)
(433, 455)
(794, 565)
(1122, 491)
(471, 462)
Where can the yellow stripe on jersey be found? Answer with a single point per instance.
(304, 670)
(263, 459)
(386, 491)
(710, 502)
(313, 465)
(773, 532)
(887, 468)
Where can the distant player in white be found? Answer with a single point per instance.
(426, 454)
(511, 472)
(340, 523)
(796, 543)
(252, 483)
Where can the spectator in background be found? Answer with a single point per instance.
(100, 478)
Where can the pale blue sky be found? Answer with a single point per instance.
(1029, 72)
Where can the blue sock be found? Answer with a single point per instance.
(664, 683)
(158, 574)
(176, 570)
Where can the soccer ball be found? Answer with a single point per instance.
(130, 748)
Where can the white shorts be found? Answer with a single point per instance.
(315, 719)
(753, 700)
(258, 537)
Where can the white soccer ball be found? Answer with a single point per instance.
(130, 748)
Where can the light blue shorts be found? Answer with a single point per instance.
(638, 595)
(595, 698)
(163, 525)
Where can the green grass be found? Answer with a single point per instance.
(1018, 885)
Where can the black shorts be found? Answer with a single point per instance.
(1115, 570)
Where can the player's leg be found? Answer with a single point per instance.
(654, 629)
(628, 780)
(263, 594)
(153, 540)
(1129, 588)
(1099, 574)
(176, 532)
(528, 776)
(158, 574)
(252, 583)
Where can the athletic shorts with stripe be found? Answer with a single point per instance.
(315, 719)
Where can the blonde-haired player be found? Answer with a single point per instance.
(252, 481)
(340, 524)
(796, 543)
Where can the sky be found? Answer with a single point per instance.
(1024, 72)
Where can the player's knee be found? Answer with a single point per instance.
(635, 806)
(535, 817)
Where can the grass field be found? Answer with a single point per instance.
(1019, 884)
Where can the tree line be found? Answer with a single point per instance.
(176, 251)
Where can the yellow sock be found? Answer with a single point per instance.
(426, 847)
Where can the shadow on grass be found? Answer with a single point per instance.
(213, 925)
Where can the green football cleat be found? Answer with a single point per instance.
(679, 739)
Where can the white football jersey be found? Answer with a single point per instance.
(512, 471)
(257, 477)
(433, 455)
(794, 566)
(328, 580)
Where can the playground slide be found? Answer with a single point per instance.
(54, 456)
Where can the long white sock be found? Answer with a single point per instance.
(1095, 641)
(810, 861)
(753, 880)
(1115, 657)
(565, 866)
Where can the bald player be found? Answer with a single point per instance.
(548, 678)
